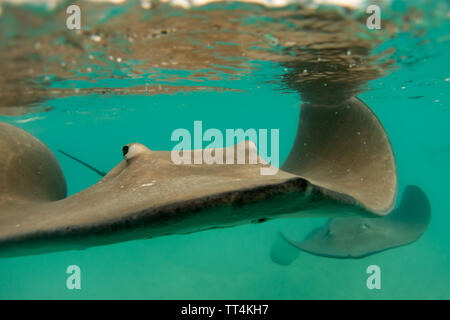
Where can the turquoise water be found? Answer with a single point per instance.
(412, 103)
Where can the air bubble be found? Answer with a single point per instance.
(96, 38)
(146, 4)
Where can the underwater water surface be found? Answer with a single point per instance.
(412, 103)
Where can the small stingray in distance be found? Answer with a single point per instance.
(358, 237)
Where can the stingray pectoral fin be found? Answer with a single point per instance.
(412, 216)
(344, 150)
(310, 245)
(282, 252)
(29, 171)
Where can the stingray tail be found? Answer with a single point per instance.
(101, 173)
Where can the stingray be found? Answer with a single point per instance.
(358, 237)
(341, 164)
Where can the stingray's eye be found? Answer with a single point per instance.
(133, 149)
(329, 233)
(125, 150)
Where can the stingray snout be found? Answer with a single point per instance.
(132, 150)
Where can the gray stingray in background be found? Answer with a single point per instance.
(340, 164)
(357, 237)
